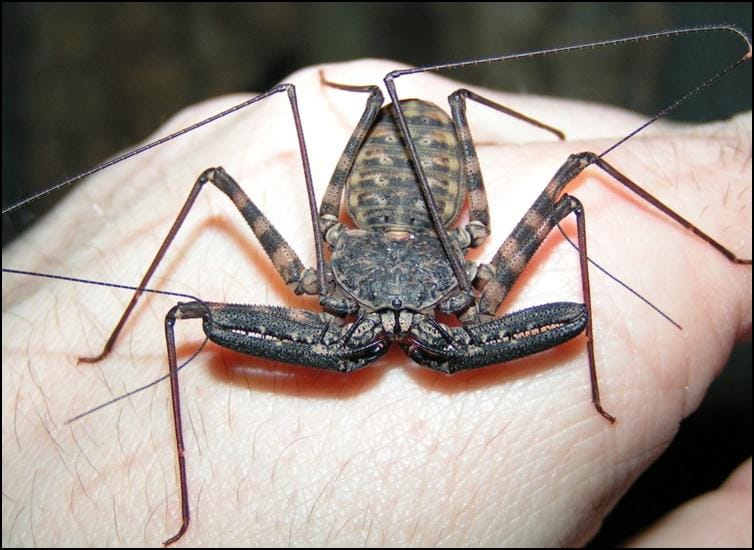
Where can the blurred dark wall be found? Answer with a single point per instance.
(82, 81)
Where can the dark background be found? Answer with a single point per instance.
(84, 81)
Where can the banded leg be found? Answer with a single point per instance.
(330, 208)
(283, 257)
(284, 334)
(478, 227)
(525, 239)
(520, 246)
(521, 333)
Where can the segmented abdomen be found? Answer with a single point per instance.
(383, 192)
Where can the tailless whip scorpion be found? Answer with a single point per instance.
(407, 255)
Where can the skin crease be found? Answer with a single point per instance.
(509, 455)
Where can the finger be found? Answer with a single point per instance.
(721, 518)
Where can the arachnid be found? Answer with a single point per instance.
(370, 333)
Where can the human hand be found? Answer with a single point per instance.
(510, 455)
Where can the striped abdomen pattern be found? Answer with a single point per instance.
(382, 190)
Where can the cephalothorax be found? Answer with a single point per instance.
(403, 179)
